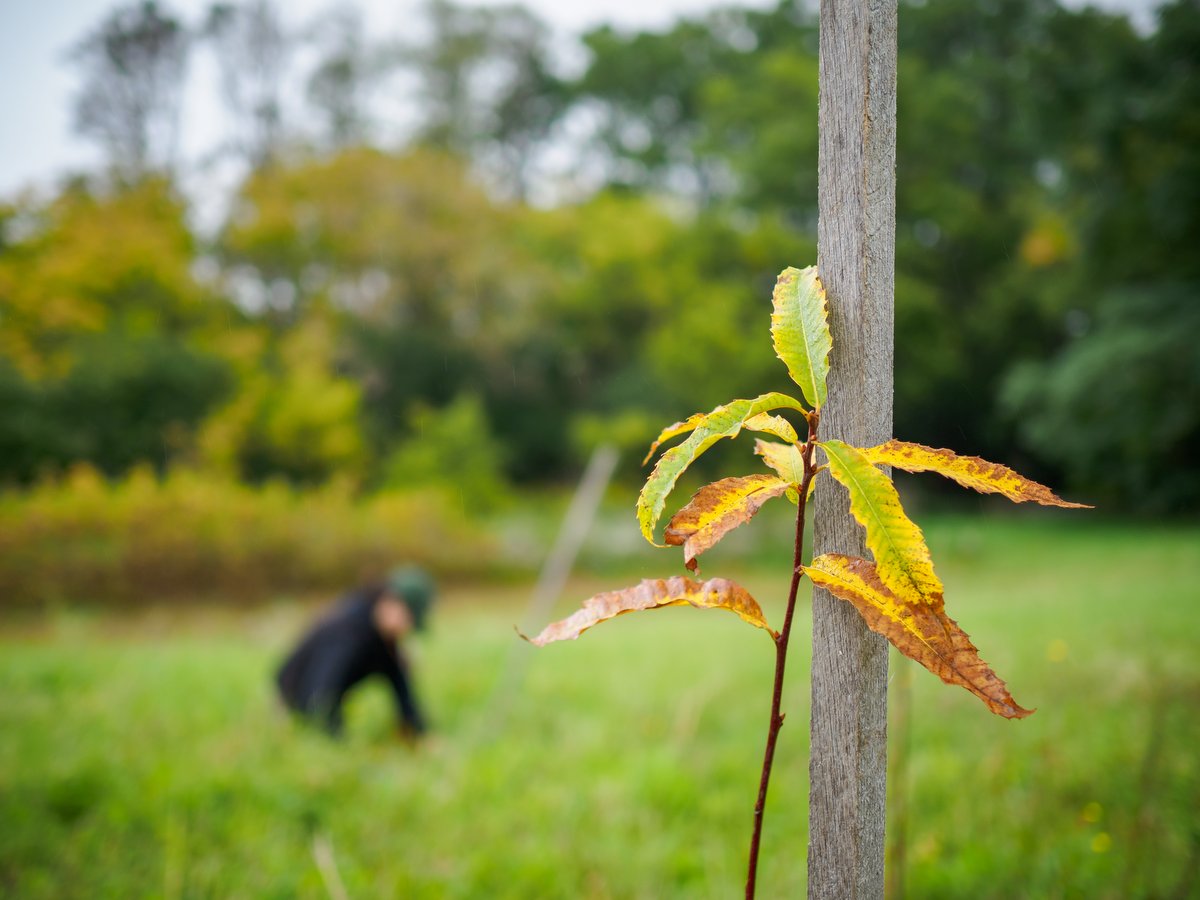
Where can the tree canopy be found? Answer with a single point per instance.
(1048, 196)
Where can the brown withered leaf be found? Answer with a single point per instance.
(920, 630)
(716, 593)
(969, 471)
(718, 508)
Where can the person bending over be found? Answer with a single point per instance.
(359, 638)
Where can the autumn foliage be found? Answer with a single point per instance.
(897, 593)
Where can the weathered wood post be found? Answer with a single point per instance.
(855, 256)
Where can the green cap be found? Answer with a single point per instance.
(415, 588)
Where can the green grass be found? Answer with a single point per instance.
(146, 757)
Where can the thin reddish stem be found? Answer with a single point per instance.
(781, 649)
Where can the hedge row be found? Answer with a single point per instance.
(187, 536)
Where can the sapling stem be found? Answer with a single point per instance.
(781, 649)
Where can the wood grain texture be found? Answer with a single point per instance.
(856, 260)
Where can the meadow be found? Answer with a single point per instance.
(142, 753)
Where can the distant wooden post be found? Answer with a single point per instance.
(856, 238)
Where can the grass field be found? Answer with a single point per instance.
(144, 755)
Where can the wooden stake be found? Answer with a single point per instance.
(856, 259)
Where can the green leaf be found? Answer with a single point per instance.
(901, 556)
(764, 422)
(688, 424)
(707, 428)
(800, 331)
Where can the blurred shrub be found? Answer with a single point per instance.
(451, 450)
(124, 400)
(29, 432)
(1117, 408)
(294, 417)
(90, 261)
(143, 538)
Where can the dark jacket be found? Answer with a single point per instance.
(341, 650)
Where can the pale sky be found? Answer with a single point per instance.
(37, 83)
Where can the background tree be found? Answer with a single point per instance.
(1084, 409)
(1045, 159)
(527, 98)
(645, 89)
(486, 84)
(295, 416)
(445, 63)
(111, 352)
(132, 69)
(254, 52)
(339, 86)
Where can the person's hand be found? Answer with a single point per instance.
(421, 741)
(409, 736)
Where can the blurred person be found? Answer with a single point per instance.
(360, 637)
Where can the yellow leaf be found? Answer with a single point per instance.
(921, 631)
(969, 471)
(717, 509)
(895, 541)
(707, 428)
(716, 593)
(800, 330)
(785, 459)
(774, 425)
